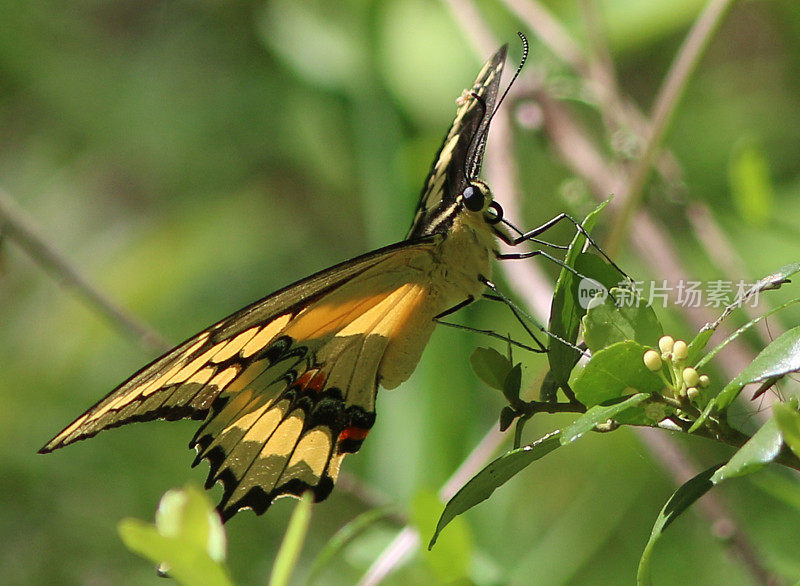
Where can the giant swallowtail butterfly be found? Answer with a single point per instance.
(286, 387)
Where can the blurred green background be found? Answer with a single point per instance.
(191, 157)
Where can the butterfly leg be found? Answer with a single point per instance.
(454, 309)
(532, 236)
(531, 254)
(522, 316)
(438, 319)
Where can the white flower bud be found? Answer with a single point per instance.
(652, 360)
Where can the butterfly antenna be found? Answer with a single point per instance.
(480, 138)
(525, 49)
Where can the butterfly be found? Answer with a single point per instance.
(286, 387)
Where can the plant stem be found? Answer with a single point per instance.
(666, 102)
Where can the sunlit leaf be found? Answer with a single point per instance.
(757, 452)
(698, 344)
(680, 500)
(187, 541)
(599, 414)
(613, 372)
(481, 486)
(781, 357)
(605, 323)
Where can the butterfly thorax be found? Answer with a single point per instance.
(463, 256)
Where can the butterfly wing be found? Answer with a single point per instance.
(461, 154)
(286, 387)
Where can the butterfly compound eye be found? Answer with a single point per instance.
(473, 198)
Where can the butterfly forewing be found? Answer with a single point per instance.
(286, 387)
(460, 156)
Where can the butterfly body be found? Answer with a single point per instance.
(286, 387)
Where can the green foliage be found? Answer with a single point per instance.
(761, 449)
(616, 388)
(483, 484)
(613, 372)
(566, 309)
(777, 360)
(605, 323)
(187, 541)
(491, 367)
(686, 495)
(599, 415)
(788, 421)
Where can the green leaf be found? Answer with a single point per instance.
(698, 344)
(187, 541)
(597, 269)
(549, 389)
(481, 486)
(605, 323)
(781, 357)
(450, 561)
(680, 500)
(187, 514)
(614, 372)
(336, 544)
(512, 384)
(491, 367)
(292, 544)
(565, 311)
(788, 420)
(599, 414)
(757, 452)
(507, 417)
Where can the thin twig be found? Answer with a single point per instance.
(666, 103)
(470, 20)
(723, 255)
(16, 224)
(545, 26)
(392, 557)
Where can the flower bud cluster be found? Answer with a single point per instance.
(684, 380)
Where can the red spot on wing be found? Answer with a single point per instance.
(312, 380)
(303, 380)
(353, 433)
(317, 383)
